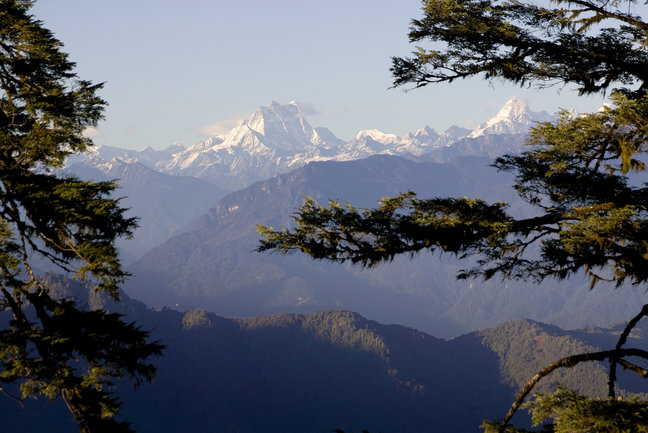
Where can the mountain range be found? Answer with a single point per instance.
(212, 264)
(277, 138)
(162, 203)
(265, 342)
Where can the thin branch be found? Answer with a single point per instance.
(522, 247)
(72, 408)
(13, 397)
(633, 367)
(17, 311)
(626, 18)
(622, 340)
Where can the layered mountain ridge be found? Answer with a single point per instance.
(212, 264)
(162, 203)
(312, 370)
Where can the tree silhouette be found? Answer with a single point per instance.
(50, 346)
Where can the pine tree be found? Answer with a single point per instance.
(50, 346)
(583, 174)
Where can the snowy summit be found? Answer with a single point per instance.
(515, 117)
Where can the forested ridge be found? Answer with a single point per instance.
(325, 370)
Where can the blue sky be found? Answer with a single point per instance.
(181, 71)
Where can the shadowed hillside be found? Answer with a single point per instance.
(327, 370)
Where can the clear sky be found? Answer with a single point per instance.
(183, 71)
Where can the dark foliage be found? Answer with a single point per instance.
(50, 346)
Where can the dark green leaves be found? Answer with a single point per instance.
(402, 224)
(44, 108)
(51, 346)
(73, 354)
(569, 412)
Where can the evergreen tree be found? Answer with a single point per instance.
(583, 174)
(51, 347)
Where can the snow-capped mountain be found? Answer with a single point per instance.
(513, 121)
(277, 138)
(514, 118)
(372, 141)
(148, 156)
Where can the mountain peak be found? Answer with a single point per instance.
(515, 117)
(288, 111)
(376, 135)
(273, 113)
(274, 139)
(514, 108)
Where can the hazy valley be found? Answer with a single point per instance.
(196, 241)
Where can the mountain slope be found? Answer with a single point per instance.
(213, 265)
(327, 370)
(336, 369)
(162, 203)
(514, 118)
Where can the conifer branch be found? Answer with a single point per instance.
(567, 362)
